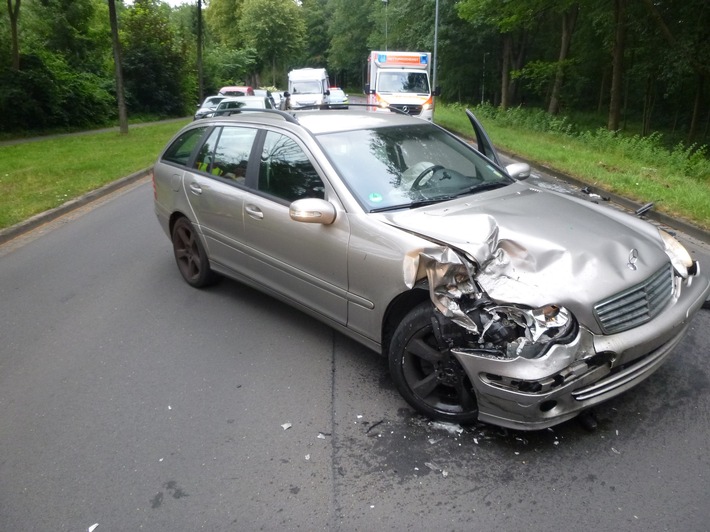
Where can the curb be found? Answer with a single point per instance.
(35, 221)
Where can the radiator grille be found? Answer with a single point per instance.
(409, 109)
(636, 306)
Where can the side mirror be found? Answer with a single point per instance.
(519, 171)
(312, 211)
(327, 92)
(367, 88)
(437, 91)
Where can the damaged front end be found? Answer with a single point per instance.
(527, 367)
(477, 325)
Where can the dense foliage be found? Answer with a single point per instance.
(641, 62)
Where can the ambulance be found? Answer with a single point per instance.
(401, 80)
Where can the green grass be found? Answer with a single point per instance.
(40, 175)
(677, 180)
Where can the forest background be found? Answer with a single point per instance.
(612, 62)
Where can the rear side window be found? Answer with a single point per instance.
(180, 150)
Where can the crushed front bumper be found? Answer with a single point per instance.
(533, 394)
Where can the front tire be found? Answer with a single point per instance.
(190, 255)
(425, 372)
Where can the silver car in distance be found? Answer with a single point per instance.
(493, 300)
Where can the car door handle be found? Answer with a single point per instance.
(196, 188)
(254, 212)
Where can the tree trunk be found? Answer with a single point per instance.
(648, 105)
(602, 91)
(696, 108)
(617, 64)
(122, 115)
(569, 19)
(200, 75)
(14, 13)
(505, 74)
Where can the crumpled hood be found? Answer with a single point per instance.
(536, 247)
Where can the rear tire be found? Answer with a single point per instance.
(425, 372)
(190, 255)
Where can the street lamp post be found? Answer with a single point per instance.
(436, 41)
(386, 2)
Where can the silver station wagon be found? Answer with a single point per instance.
(493, 300)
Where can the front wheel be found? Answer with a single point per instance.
(425, 372)
(190, 255)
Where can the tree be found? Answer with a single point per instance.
(617, 64)
(351, 23)
(200, 45)
(153, 67)
(118, 67)
(513, 19)
(569, 19)
(14, 13)
(275, 29)
(222, 17)
(315, 52)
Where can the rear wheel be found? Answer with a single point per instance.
(425, 372)
(190, 255)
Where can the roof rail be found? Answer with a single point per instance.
(326, 106)
(229, 112)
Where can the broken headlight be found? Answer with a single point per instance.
(509, 331)
(470, 320)
(680, 258)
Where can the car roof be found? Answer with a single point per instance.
(327, 121)
(333, 121)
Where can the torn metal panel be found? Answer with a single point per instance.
(493, 330)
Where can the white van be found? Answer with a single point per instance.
(308, 86)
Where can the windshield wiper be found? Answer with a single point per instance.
(414, 204)
(481, 187)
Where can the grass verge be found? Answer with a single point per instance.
(41, 175)
(677, 180)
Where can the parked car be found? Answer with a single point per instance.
(492, 299)
(266, 94)
(235, 90)
(338, 98)
(235, 104)
(208, 106)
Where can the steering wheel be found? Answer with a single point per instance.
(419, 182)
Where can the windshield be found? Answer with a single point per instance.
(407, 166)
(398, 82)
(305, 87)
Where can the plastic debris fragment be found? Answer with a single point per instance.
(286, 426)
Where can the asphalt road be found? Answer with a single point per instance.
(132, 401)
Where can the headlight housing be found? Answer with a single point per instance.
(680, 258)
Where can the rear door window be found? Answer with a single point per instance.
(181, 149)
(226, 153)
